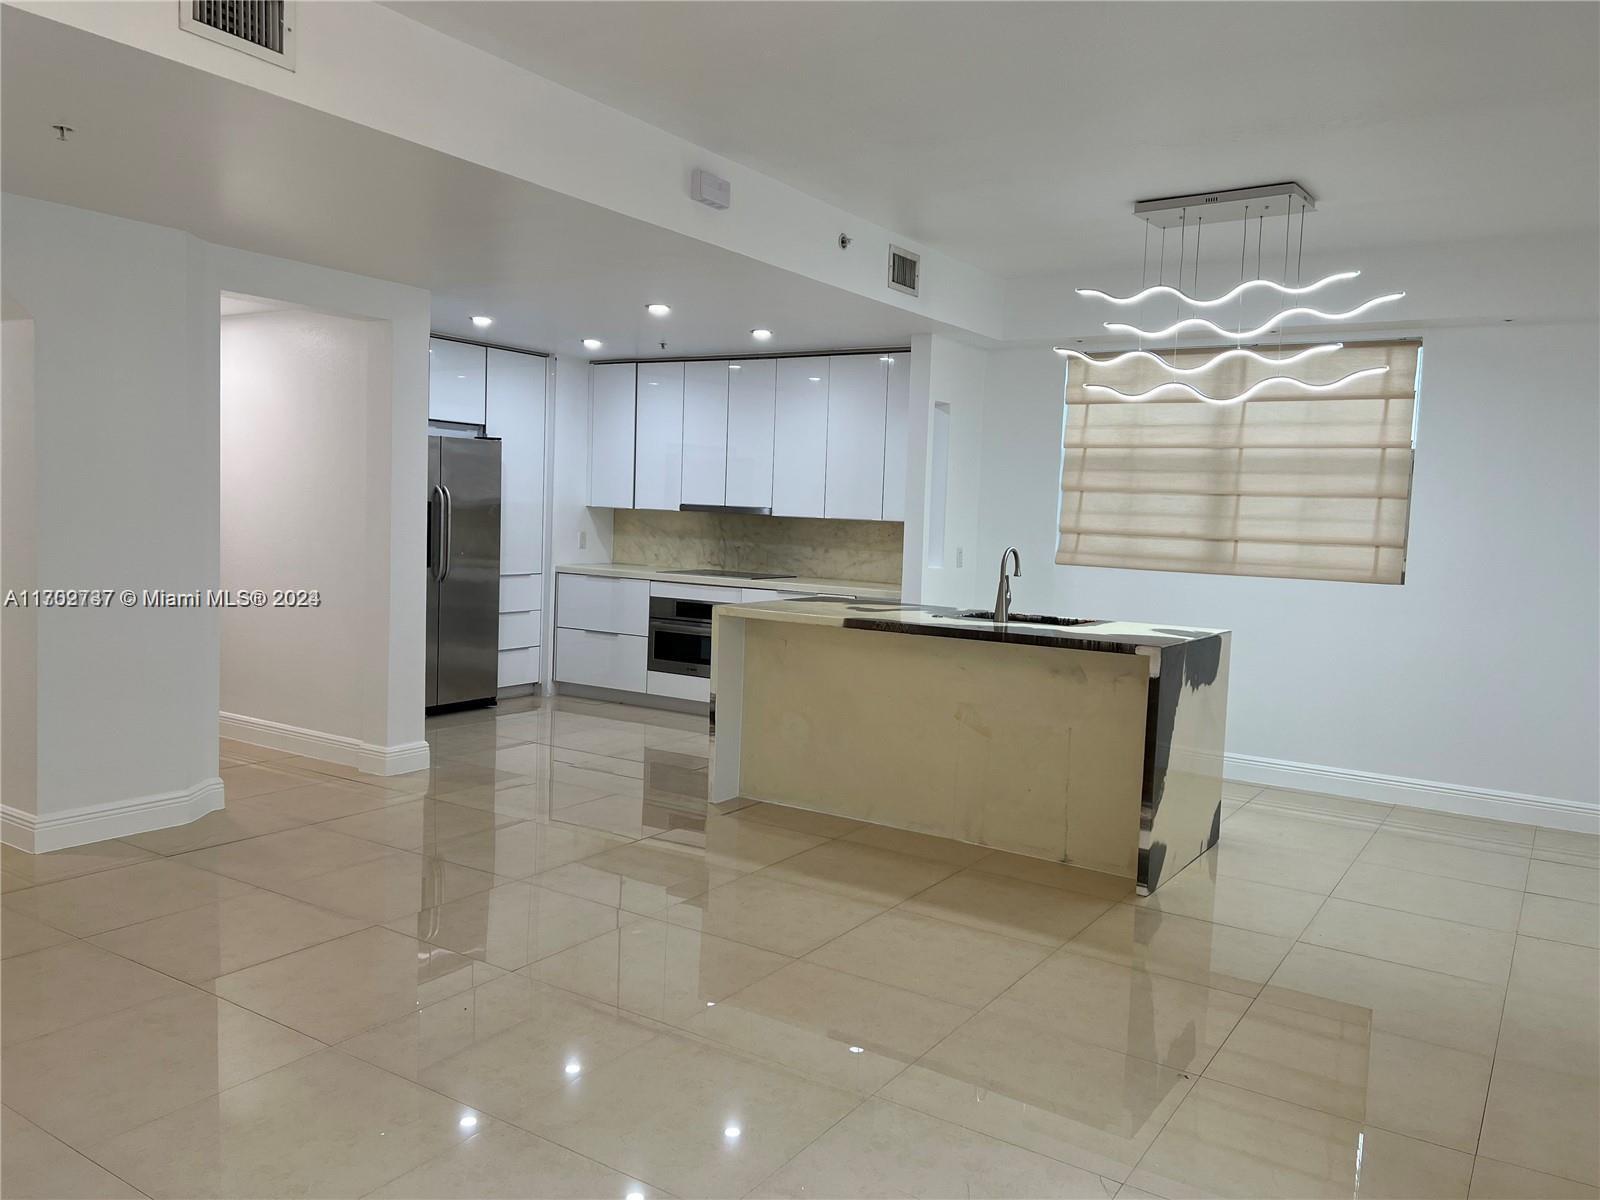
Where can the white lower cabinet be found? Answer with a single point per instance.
(679, 687)
(608, 660)
(519, 666)
(603, 604)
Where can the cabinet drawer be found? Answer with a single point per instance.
(519, 593)
(603, 604)
(682, 687)
(698, 591)
(519, 629)
(519, 666)
(609, 660)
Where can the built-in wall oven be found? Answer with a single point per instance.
(680, 636)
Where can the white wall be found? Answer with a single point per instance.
(125, 460)
(19, 681)
(295, 392)
(948, 374)
(1476, 676)
(396, 449)
(126, 433)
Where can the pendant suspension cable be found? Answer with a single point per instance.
(1244, 240)
(1199, 225)
(1177, 305)
(1261, 223)
(1300, 255)
(1286, 245)
(1144, 258)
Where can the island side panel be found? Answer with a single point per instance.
(1034, 749)
(1185, 730)
(727, 705)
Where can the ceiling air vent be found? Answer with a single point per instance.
(264, 28)
(905, 270)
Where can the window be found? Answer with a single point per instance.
(1288, 483)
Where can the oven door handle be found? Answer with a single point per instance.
(702, 628)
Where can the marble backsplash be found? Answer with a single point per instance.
(868, 551)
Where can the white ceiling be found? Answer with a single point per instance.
(159, 142)
(1016, 136)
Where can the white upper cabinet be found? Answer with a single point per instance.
(705, 432)
(752, 394)
(611, 418)
(800, 438)
(658, 451)
(894, 437)
(857, 394)
(456, 373)
(515, 414)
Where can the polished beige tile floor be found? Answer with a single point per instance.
(543, 968)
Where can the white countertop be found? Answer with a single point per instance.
(798, 583)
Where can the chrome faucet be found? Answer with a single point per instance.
(1002, 596)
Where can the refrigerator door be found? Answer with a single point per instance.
(469, 569)
(435, 544)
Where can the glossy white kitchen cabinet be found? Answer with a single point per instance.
(603, 604)
(456, 381)
(857, 395)
(752, 395)
(596, 659)
(705, 432)
(515, 415)
(611, 417)
(800, 438)
(658, 437)
(894, 437)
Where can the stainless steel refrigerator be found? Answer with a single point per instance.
(463, 570)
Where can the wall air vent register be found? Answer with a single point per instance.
(905, 271)
(262, 28)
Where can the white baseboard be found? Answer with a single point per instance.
(97, 822)
(1522, 809)
(326, 747)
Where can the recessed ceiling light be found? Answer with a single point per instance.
(468, 1122)
(657, 310)
(735, 367)
(731, 1132)
(888, 358)
(761, 335)
(858, 1049)
(592, 343)
(573, 1066)
(483, 322)
(815, 378)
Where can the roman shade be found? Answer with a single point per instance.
(1288, 483)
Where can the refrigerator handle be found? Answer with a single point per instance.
(447, 534)
(435, 529)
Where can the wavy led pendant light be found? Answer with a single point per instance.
(1225, 356)
(1267, 326)
(1287, 380)
(1233, 293)
(1196, 213)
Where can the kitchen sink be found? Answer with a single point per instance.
(987, 614)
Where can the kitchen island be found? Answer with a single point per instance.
(1096, 744)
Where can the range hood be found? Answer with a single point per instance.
(744, 510)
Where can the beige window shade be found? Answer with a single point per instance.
(1289, 483)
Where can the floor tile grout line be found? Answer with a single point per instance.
(1223, 1045)
(75, 1150)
